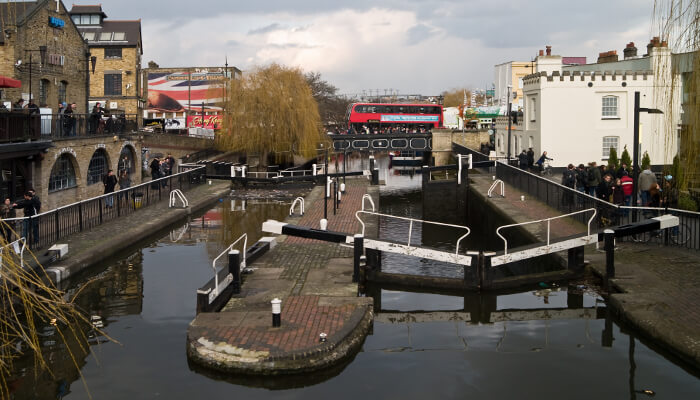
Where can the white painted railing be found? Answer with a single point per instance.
(548, 221)
(175, 195)
(497, 183)
(410, 226)
(243, 237)
(300, 201)
(371, 202)
(18, 247)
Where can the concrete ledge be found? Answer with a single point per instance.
(120, 239)
(220, 356)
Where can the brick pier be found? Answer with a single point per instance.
(314, 281)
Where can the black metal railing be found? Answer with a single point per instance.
(47, 228)
(19, 126)
(476, 156)
(567, 200)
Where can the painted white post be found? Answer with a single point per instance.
(276, 312)
(324, 224)
(313, 169)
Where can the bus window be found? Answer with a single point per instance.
(359, 109)
(421, 110)
(401, 110)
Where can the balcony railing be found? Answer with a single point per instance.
(15, 127)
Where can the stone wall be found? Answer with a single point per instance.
(443, 139)
(177, 145)
(63, 42)
(80, 152)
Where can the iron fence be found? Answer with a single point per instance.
(17, 126)
(568, 200)
(47, 228)
(476, 156)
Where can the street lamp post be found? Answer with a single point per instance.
(510, 87)
(91, 62)
(635, 152)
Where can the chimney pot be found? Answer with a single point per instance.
(541, 53)
(549, 50)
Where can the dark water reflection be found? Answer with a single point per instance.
(147, 299)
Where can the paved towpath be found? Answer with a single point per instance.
(314, 281)
(659, 287)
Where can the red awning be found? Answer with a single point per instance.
(6, 82)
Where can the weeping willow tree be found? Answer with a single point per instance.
(678, 82)
(30, 307)
(271, 109)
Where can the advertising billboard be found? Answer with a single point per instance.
(210, 121)
(184, 90)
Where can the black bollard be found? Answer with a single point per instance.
(234, 268)
(276, 312)
(609, 254)
(358, 250)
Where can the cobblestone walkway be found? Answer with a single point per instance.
(660, 286)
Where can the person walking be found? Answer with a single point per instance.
(627, 184)
(110, 182)
(522, 159)
(124, 182)
(96, 126)
(594, 178)
(6, 212)
(530, 158)
(164, 171)
(645, 182)
(31, 207)
(68, 121)
(171, 163)
(581, 179)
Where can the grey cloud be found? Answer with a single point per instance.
(418, 34)
(265, 29)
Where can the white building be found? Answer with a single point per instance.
(577, 113)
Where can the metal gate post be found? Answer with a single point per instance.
(609, 254)
(234, 268)
(358, 245)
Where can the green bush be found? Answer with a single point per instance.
(625, 158)
(612, 159)
(646, 161)
(685, 202)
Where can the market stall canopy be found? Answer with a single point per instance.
(6, 82)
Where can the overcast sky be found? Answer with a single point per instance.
(415, 46)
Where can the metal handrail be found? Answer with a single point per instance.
(493, 186)
(299, 200)
(174, 195)
(213, 264)
(295, 172)
(548, 220)
(410, 228)
(22, 240)
(371, 202)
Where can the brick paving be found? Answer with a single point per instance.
(314, 281)
(659, 285)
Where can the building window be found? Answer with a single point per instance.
(113, 84)
(105, 36)
(95, 19)
(608, 142)
(610, 107)
(62, 174)
(84, 19)
(62, 88)
(76, 19)
(119, 36)
(43, 92)
(533, 109)
(113, 52)
(89, 36)
(98, 167)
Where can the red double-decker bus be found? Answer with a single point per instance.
(383, 117)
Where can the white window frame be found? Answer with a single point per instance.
(532, 112)
(607, 144)
(610, 111)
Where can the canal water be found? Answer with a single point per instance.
(527, 345)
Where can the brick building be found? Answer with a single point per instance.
(117, 47)
(39, 38)
(42, 48)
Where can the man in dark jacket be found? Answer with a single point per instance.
(594, 178)
(522, 160)
(31, 207)
(530, 158)
(110, 182)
